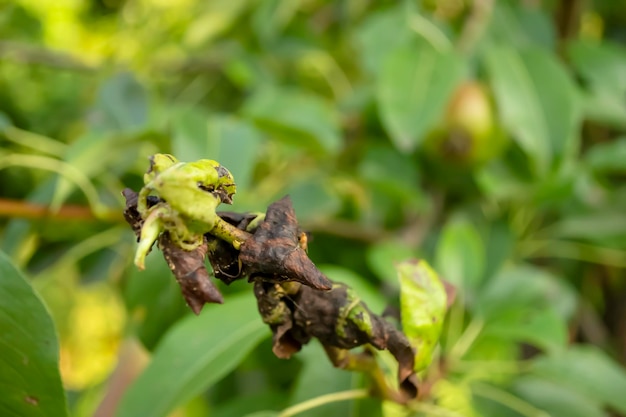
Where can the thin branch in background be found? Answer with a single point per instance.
(508, 400)
(26, 210)
(324, 399)
(475, 25)
(32, 55)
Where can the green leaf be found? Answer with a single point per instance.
(312, 199)
(195, 353)
(383, 257)
(415, 84)
(319, 377)
(153, 299)
(556, 399)
(233, 142)
(423, 304)
(588, 371)
(521, 26)
(543, 328)
(264, 414)
(29, 351)
(460, 254)
(525, 287)
(296, 117)
(602, 66)
(216, 17)
(251, 405)
(380, 34)
(122, 105)
(537, 101)
(608, 157)
(90, 154)
(594, 226)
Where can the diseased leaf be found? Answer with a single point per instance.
(374, 299)
(195, 353)
(423, 304)
(29, 351)
(414, 86)
(231, 141)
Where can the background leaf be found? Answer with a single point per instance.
(297, 117)
(414, 85)
(537, 102)
(195, 353)
(29, 364)
(460, 256)
(588, 371)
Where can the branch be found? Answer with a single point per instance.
(28, 54)
(26, 210)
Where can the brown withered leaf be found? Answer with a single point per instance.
(295, 318)
(187, 266)
(274, 253)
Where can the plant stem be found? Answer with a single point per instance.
(324, 399)
(508, 400)
(433, 410)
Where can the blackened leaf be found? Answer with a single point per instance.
(274, 252)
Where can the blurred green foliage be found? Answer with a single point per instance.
(487, 137)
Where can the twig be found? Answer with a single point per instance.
(324, 399)
(475, 25)
(29, 54)
(26, 210)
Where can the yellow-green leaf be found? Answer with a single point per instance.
(423, 304)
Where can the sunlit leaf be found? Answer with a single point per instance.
(423, 303)
(29, 352)
(415, 84)
(194, 354)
